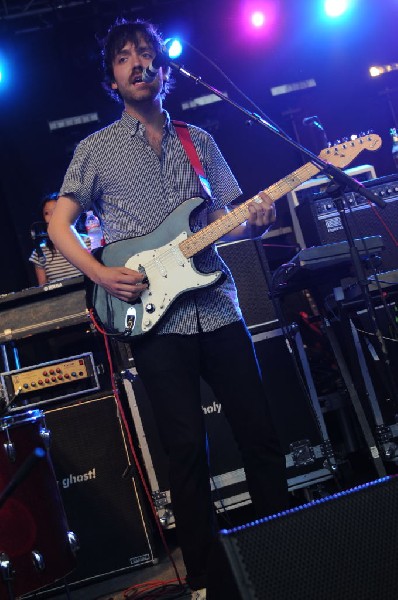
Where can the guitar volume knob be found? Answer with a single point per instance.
(150, 308)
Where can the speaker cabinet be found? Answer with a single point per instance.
(293, 416)
(343, 546)
(245, 260)
(248, 265)
(100, 494)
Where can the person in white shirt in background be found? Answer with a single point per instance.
(49, 263)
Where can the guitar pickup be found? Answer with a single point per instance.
(141, 270)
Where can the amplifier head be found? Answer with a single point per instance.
(320, 221)
(49, 381)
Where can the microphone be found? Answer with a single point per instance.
(161, 60)
(37, 237)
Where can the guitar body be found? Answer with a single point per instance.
(168, 271)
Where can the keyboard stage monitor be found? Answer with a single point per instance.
(328, 263)
(44, 308)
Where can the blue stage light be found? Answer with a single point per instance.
(3, 71)
(335, 8)
(174, 47)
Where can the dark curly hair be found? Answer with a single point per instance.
(118, 35)
(48, 198)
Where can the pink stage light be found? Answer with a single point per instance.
(258, 19)
(260, 16)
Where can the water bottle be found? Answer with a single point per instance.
(394, 136)
(94, 231)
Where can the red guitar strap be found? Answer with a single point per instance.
(186, 140)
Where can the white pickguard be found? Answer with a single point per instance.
(169, 274)
(168, 271)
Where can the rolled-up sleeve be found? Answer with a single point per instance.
(81, 179)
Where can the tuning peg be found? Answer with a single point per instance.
(345, 140)
(337, 142)
(370, 131)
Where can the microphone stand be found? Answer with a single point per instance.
(38, 235)
(334, 173)
(342, 182)
(7, 572)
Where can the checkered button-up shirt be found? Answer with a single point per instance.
(116, 172)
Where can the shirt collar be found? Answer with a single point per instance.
(133, 124)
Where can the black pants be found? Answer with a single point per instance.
(170, 367)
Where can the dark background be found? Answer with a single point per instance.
(52, 71)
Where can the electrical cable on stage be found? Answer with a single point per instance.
(179, 580)
(155, 590)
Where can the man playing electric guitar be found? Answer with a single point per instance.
(134, 174)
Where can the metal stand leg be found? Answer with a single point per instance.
(7, 574)
(384, 433)
(15, 356)
(363, 422)
(316, 408)
(67, 590)
(4, 356)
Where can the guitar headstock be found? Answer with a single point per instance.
(340, 155)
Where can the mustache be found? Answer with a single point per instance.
(137, 72)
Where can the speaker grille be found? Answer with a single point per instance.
(100, 494)
(341, 547)
(245, 262)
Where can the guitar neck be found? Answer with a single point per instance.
(216, 230)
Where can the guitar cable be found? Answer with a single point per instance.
(132, 448)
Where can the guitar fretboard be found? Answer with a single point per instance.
(213, 232)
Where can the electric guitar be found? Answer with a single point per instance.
(165, 256)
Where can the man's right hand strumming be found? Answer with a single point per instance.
(121, 282)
